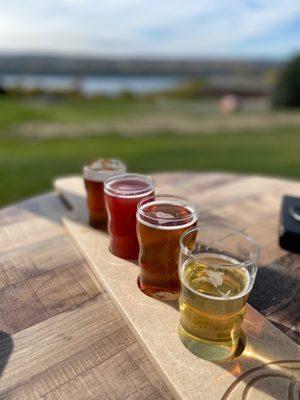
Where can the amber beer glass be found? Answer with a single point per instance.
(122, 194)
(217, 270)
(94, 176)
(160, 222)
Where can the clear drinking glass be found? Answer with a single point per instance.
(161, 219)
(94, 175)
(122, 194)
(217, 269)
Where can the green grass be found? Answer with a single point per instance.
(28, 167)
(15, 111)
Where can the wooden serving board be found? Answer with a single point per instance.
(268, 368)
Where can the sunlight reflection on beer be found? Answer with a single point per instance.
(217, 273)
(160, 223)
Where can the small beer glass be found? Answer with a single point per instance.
(122, 194)
(161, 220)
(217, 269)
(94, 176)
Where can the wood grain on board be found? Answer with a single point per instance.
(61, 337)
(271, 359)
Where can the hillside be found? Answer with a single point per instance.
(48, 64)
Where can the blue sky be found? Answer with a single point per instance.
(164, 28)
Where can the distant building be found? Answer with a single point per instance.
(230, 103)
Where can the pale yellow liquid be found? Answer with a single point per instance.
(212, 305)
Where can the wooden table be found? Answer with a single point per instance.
(61, 336)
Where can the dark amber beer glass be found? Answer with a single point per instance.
(94, 176)
(160, 222)
(122, 194)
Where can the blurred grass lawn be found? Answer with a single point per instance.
(27, 166)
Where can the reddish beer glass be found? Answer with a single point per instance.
(94, 176)
(122, 194)
(160, 222)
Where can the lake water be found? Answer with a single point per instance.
(91, 85)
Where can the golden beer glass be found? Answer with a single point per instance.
(217, 269)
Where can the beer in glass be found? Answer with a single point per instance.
(94, 176)
(217, 270)
(122, 194)
(160, 222)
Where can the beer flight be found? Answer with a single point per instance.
(211, 269)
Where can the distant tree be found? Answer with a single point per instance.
(2, 91)
(287, 90)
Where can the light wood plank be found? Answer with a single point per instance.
(60, 378)
(44, 294)
(20, 308)
(26, 262)
(56, 339)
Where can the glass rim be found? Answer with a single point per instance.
(100, 175)
(251, 259)
(129, 193)
(193, 216)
